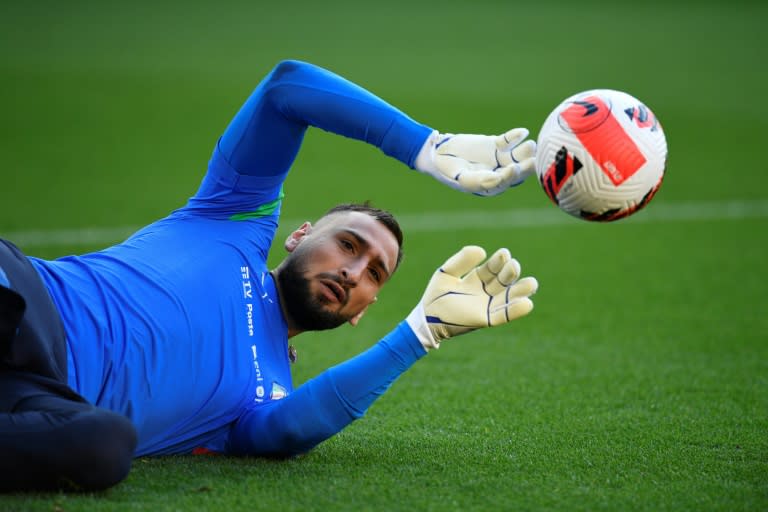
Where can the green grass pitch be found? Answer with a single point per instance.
(639, 382)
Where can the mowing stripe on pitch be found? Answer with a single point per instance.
(439, 221)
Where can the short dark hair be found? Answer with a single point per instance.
(380, 215)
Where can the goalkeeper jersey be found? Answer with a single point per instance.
(180, 328)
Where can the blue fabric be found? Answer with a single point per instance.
(50, 439)
(162, 327)
(179, 328)
(296, 95)
(4, 279)
(324, 405)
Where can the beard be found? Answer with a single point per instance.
(307, 312)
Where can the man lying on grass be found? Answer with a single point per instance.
(176, 340)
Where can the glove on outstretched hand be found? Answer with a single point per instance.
(464, 295)
(484, 165)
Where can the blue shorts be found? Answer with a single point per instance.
(32, 338)
(50, 437)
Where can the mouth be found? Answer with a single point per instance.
(333, 291)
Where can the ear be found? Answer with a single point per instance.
(295, 238)
(355, 319)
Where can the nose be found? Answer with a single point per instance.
(352, 272)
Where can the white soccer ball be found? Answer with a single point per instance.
(601, 155)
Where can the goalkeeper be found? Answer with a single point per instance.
(176, 340)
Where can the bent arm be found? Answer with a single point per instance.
(265, 135)
(326, 404)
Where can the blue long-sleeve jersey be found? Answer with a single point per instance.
(180, 328)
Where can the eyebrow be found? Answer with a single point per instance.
(364, 242)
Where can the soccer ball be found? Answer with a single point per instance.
(601, 155)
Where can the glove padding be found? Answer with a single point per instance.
(484, 165)
(464, 295)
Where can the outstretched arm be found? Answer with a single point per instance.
(253, 156)
(259, 146)
(265, 135)
(323, 406)
(463, 295)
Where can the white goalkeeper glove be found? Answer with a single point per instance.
(464, 295)
(484, 165)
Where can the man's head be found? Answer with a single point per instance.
(335, 269)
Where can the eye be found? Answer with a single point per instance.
(375, 274)
(346, 244)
